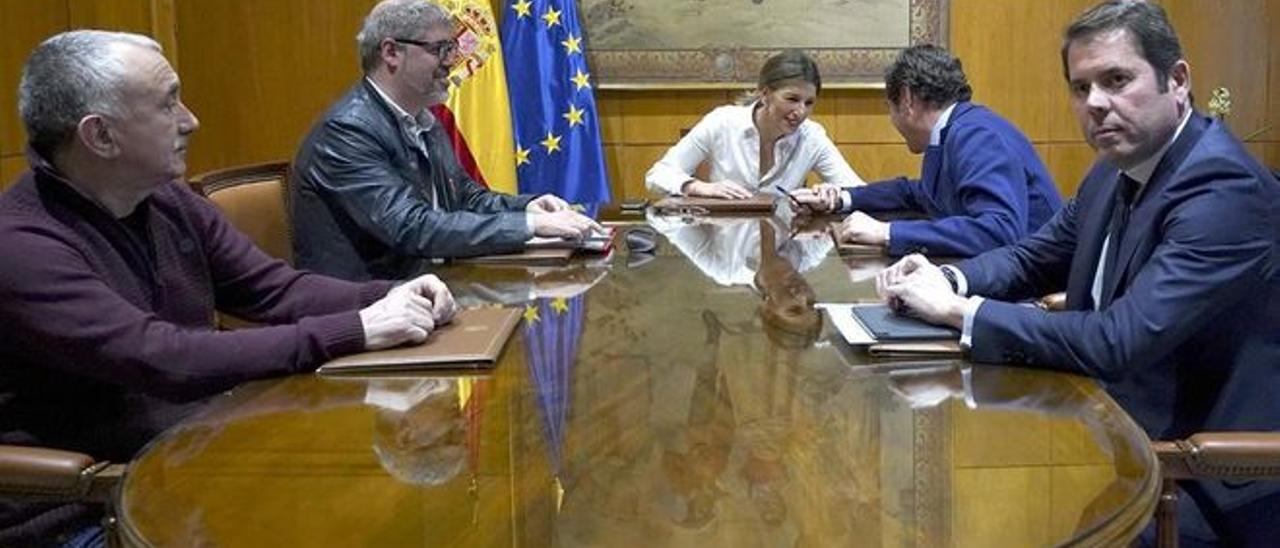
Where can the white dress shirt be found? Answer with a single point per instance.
(727, 139)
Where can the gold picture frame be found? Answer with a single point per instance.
(670, 53)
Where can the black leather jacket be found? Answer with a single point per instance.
(361, 198)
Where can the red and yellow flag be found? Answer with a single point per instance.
(478, 94)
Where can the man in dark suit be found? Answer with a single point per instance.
(1168, 255)
(982, 184)
(377, 189)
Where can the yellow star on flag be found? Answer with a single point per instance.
(552, 143)
(572, 45)
(531, 314)
(574, 116)
(560, 305)
(581, 80)
(522, 155)
(552, 17)
(522, 8)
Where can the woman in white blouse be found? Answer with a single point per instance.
(767, 142)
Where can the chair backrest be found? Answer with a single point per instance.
(255, 199)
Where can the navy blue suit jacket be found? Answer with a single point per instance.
(983, 187)
(1191, 341)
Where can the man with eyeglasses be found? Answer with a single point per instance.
(377, 191)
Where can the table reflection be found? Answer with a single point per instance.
(680, 401)
(728, 249)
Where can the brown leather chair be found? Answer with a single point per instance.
(1206, 455)
(1210, 455)
(51, 475)
(255, 199)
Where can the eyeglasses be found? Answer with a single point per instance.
(441, 49)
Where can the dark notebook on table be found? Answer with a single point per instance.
(888, 326)
(474, 338)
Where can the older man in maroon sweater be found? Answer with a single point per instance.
(112, 270)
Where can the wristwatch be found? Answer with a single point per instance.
(950, 275)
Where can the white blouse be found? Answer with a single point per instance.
(727, 139)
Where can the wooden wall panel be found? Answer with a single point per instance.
(1218, 43)
(862, 116)
(1012, 81)
(1067, 162)
(23, 25)
(1273, 82)
(122, 15)
(10, 168)
(877, 162)
(1267, 152)
(1063, 125)
(636, 160)
(259, 73)
(658, 118)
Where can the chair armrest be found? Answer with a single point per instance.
(55, 474)
(1232, 455)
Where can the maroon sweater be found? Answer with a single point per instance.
(106, 325)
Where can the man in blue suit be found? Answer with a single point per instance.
(1168, 255)
(982, 184)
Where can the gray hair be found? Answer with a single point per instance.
(68, 77)
(395, 19)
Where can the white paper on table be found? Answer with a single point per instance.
(841, 315)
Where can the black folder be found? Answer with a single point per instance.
(886, 325)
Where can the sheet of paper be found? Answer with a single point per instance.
(841, 315)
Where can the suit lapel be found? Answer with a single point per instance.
(1141, 228)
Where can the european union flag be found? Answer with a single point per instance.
(553, 107)
(552, 329)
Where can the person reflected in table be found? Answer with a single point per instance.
(1168, 256)
(117, 268)
(727, 250)
(981, 186)
(419, 431)
(767, 142)
(377, 190)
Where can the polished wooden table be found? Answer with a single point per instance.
(646, 401)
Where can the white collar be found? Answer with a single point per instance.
(413, 124)
(749, 125)
(1146, 168)
(935, 134)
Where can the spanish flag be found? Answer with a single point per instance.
(478, 95)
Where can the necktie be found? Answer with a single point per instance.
(1126, 189)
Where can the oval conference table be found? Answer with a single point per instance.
(657, 400)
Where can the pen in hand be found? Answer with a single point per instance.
(795, 203)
